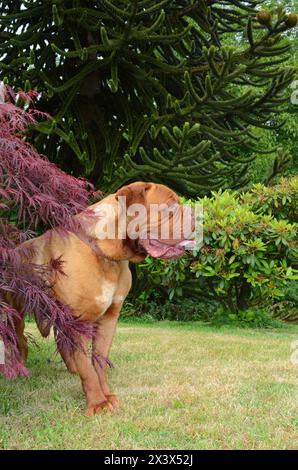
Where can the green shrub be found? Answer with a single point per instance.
(246, 256)
(280, 200)
(287, 308)
(252, 318)
(180, 310)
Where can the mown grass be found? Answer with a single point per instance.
(182, 386)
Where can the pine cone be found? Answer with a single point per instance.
(292, 20)
(264, 17)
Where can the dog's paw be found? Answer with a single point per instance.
(114, 401)
(97, 408)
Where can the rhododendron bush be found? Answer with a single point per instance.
(35, 195)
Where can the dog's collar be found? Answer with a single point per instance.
(89, 241)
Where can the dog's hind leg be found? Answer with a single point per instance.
(22, 340)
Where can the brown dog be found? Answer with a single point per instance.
(97, 281)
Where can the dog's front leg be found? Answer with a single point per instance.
(101, 347)
(96, 400)
(69, 361)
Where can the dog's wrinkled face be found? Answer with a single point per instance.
(158, 224)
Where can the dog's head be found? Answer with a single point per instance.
(143, 218)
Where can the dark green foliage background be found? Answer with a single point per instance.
(121, 78)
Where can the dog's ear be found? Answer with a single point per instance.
(134, 193)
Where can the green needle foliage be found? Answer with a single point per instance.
(147, 89)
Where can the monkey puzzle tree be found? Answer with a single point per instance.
(147, 89)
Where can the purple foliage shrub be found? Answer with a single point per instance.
(33, 192)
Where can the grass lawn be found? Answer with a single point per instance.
(182, 386)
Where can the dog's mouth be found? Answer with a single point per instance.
(164, 249)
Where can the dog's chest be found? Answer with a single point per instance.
(106, 296)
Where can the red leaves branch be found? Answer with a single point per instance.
(33, 191)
